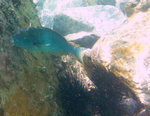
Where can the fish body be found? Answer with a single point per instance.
(45, 40)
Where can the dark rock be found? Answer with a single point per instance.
(86, 41)
(114, 51)
(83, 39)
(16, 3)
(65, 25)
(2, 112)
(109, 91)
(106, 2)
(8, 18)
(74, 98)
(129, 105)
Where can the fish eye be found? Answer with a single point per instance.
(34, 43)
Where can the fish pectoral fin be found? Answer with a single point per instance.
(46, 44)
(41, 45)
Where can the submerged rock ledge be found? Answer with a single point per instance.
(118, 69)
(28, 81)
(124, 53)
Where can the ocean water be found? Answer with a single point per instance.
(35, 83)
(103, 18)
(96, 17)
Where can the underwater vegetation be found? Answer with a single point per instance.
(74, 98)
(26, 84)
(39, 80)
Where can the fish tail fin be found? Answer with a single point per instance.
(79, 53)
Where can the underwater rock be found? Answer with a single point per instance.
(115, 66)
(24, 88)
(8, 19)
(72, 25)
(106, 2)
(104, 92)
(75, 88)
(124, 53)
(110, 91)
(63, 4)
(144, 5)
(127, 6)
(48, 8)
(98, 16)
(129, 105)
(67, 19)
(16, 3)
(83, 39)
(131, 7)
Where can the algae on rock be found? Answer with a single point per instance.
(28, 81)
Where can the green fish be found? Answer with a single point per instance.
(45, 40)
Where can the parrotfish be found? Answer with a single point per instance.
(45, 40)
